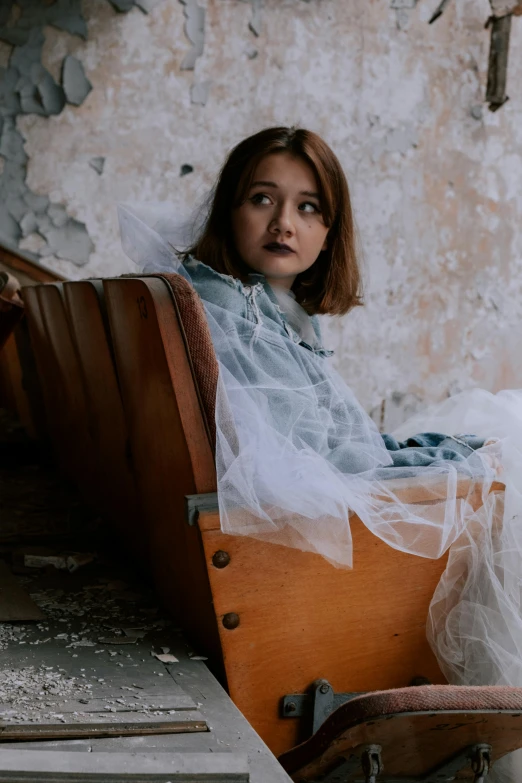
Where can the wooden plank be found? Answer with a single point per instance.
(7, 392)
(12, 368)
(34, 765)
(15, 602)
(230, 728)
(20, 262)
(48, 374)
(301, 618)
(426, 493)
(89, 327)
(34, 420)
(152, 701)
(26, 732)
(97, 706)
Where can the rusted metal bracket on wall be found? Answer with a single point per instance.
(500, 24)
(498, 61)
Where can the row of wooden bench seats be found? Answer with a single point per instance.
(129, 424)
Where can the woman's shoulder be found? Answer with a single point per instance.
(210, 284)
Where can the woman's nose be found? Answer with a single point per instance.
(282, 223)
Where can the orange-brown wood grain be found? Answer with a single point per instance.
(116, 493)
(171, 452)
(415, 744)
(28, 271)
(302, 619)
(66, 392)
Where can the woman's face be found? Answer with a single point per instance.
(279, 230)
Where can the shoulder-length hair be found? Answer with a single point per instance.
(332, 285)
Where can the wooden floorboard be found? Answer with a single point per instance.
(57, 671)
(90, 657)
(40, 766)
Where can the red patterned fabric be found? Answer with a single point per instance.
(199, 346)
(432, 698)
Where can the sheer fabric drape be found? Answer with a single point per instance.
(296, 455)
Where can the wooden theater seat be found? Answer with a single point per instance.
(276, 618)
(85, 309)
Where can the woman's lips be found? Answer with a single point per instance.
(278, 249)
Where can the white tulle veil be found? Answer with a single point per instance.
(296, 455)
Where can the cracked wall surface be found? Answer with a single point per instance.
(436, 179)
(28, 88)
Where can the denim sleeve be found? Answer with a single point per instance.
(416, 456)
(430, 446)
(423, 439)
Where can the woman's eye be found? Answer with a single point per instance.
(260, 198)
(309, 206)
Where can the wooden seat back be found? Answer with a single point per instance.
(169, 443)
(85, 307)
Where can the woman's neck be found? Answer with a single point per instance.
(285, 283)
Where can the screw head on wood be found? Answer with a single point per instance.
(230, 620)
(220, 559)
(420, 680)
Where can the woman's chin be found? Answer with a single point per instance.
(277, 266)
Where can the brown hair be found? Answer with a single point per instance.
(332, 285)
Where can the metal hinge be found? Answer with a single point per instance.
(318, 703)
(194, 504)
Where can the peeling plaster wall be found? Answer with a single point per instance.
(28, 88)
(436, 179)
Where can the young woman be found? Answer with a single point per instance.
(296, 453)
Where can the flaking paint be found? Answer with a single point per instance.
(436, 184)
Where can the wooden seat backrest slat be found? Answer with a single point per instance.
(199, 350)
(48, 375)
(22, 391)
(67, 393)
(85, 307)
(9, 370)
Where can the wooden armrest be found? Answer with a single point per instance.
(202, 509)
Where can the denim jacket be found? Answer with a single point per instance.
(254, 301)
(256, 304)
